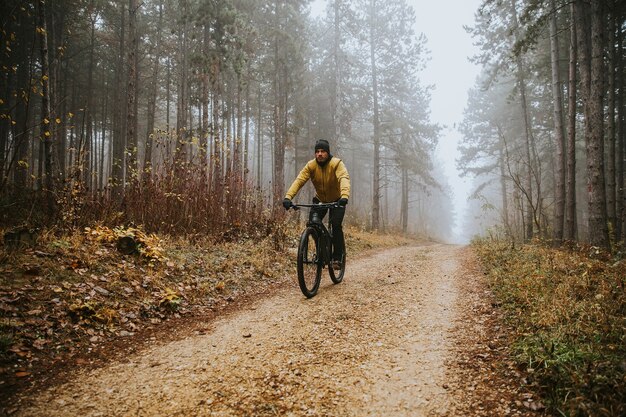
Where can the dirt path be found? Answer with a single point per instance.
(379, 344)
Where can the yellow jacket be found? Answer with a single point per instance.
(331, 181)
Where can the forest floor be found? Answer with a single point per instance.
(411, 331)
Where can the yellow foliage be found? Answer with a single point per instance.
(170, 299)
(107, 315)
(150, 246)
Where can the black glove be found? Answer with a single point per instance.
(343, 202)
(287, 203)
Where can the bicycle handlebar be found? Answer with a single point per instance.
(334, 204)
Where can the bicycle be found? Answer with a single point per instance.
(315, 251)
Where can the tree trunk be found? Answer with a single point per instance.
(246, 147)
(336, 93)
(5, 81)
(180, 156)
(591, 72)
(532, 205)
(86, 152)
(168, 107)
(570, 231)
(46, 123)
(20, 134)
(62, 132)
(259, 139)
(72, 155)
(611, 192)
(404, 208)
(103, 123)
(204, 104)
(131, 94)
(59, 89)
(279, 139)
(503, 189)
(239, 129)
(117, 161)
(154, 87)
(376, 121)
(620, 233)
(216, 158)
(559, 137)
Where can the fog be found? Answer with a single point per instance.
(452, 75)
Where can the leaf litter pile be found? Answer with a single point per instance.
(69, 299)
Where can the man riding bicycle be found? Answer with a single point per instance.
(332, 183)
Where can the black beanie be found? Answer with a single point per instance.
(322, 144)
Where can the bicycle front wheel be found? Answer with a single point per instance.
(309, 262)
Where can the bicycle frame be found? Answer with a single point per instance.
(325, 232)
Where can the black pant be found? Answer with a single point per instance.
(336, 220)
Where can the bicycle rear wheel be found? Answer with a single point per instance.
(336, 275)
(309, 262)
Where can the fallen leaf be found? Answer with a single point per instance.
(39, 344)
(22, 374)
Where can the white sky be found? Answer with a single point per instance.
(453, 75)
(450, 71)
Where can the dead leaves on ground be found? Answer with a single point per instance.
(78, 290)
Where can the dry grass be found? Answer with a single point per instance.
(569, 309)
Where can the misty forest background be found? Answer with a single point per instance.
(193, 116)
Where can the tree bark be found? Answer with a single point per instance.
(279, 103)
(180, 155)
(86, 152)
(336, 93)
(5, 82)
(559, 137)
(376, 120)
(46, 123)
(532, 204)
(131, 93)
(204, 103)
(103, 124)
(246, 147)
(259, 139)
(237, 163)
(591, 46)
(620, 233)
(216, 157)
(570, 230)
(404, 208)
(20, 134)
(118, 161)
(154, 87)
(611, 191)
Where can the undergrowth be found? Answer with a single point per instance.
(568, 307)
